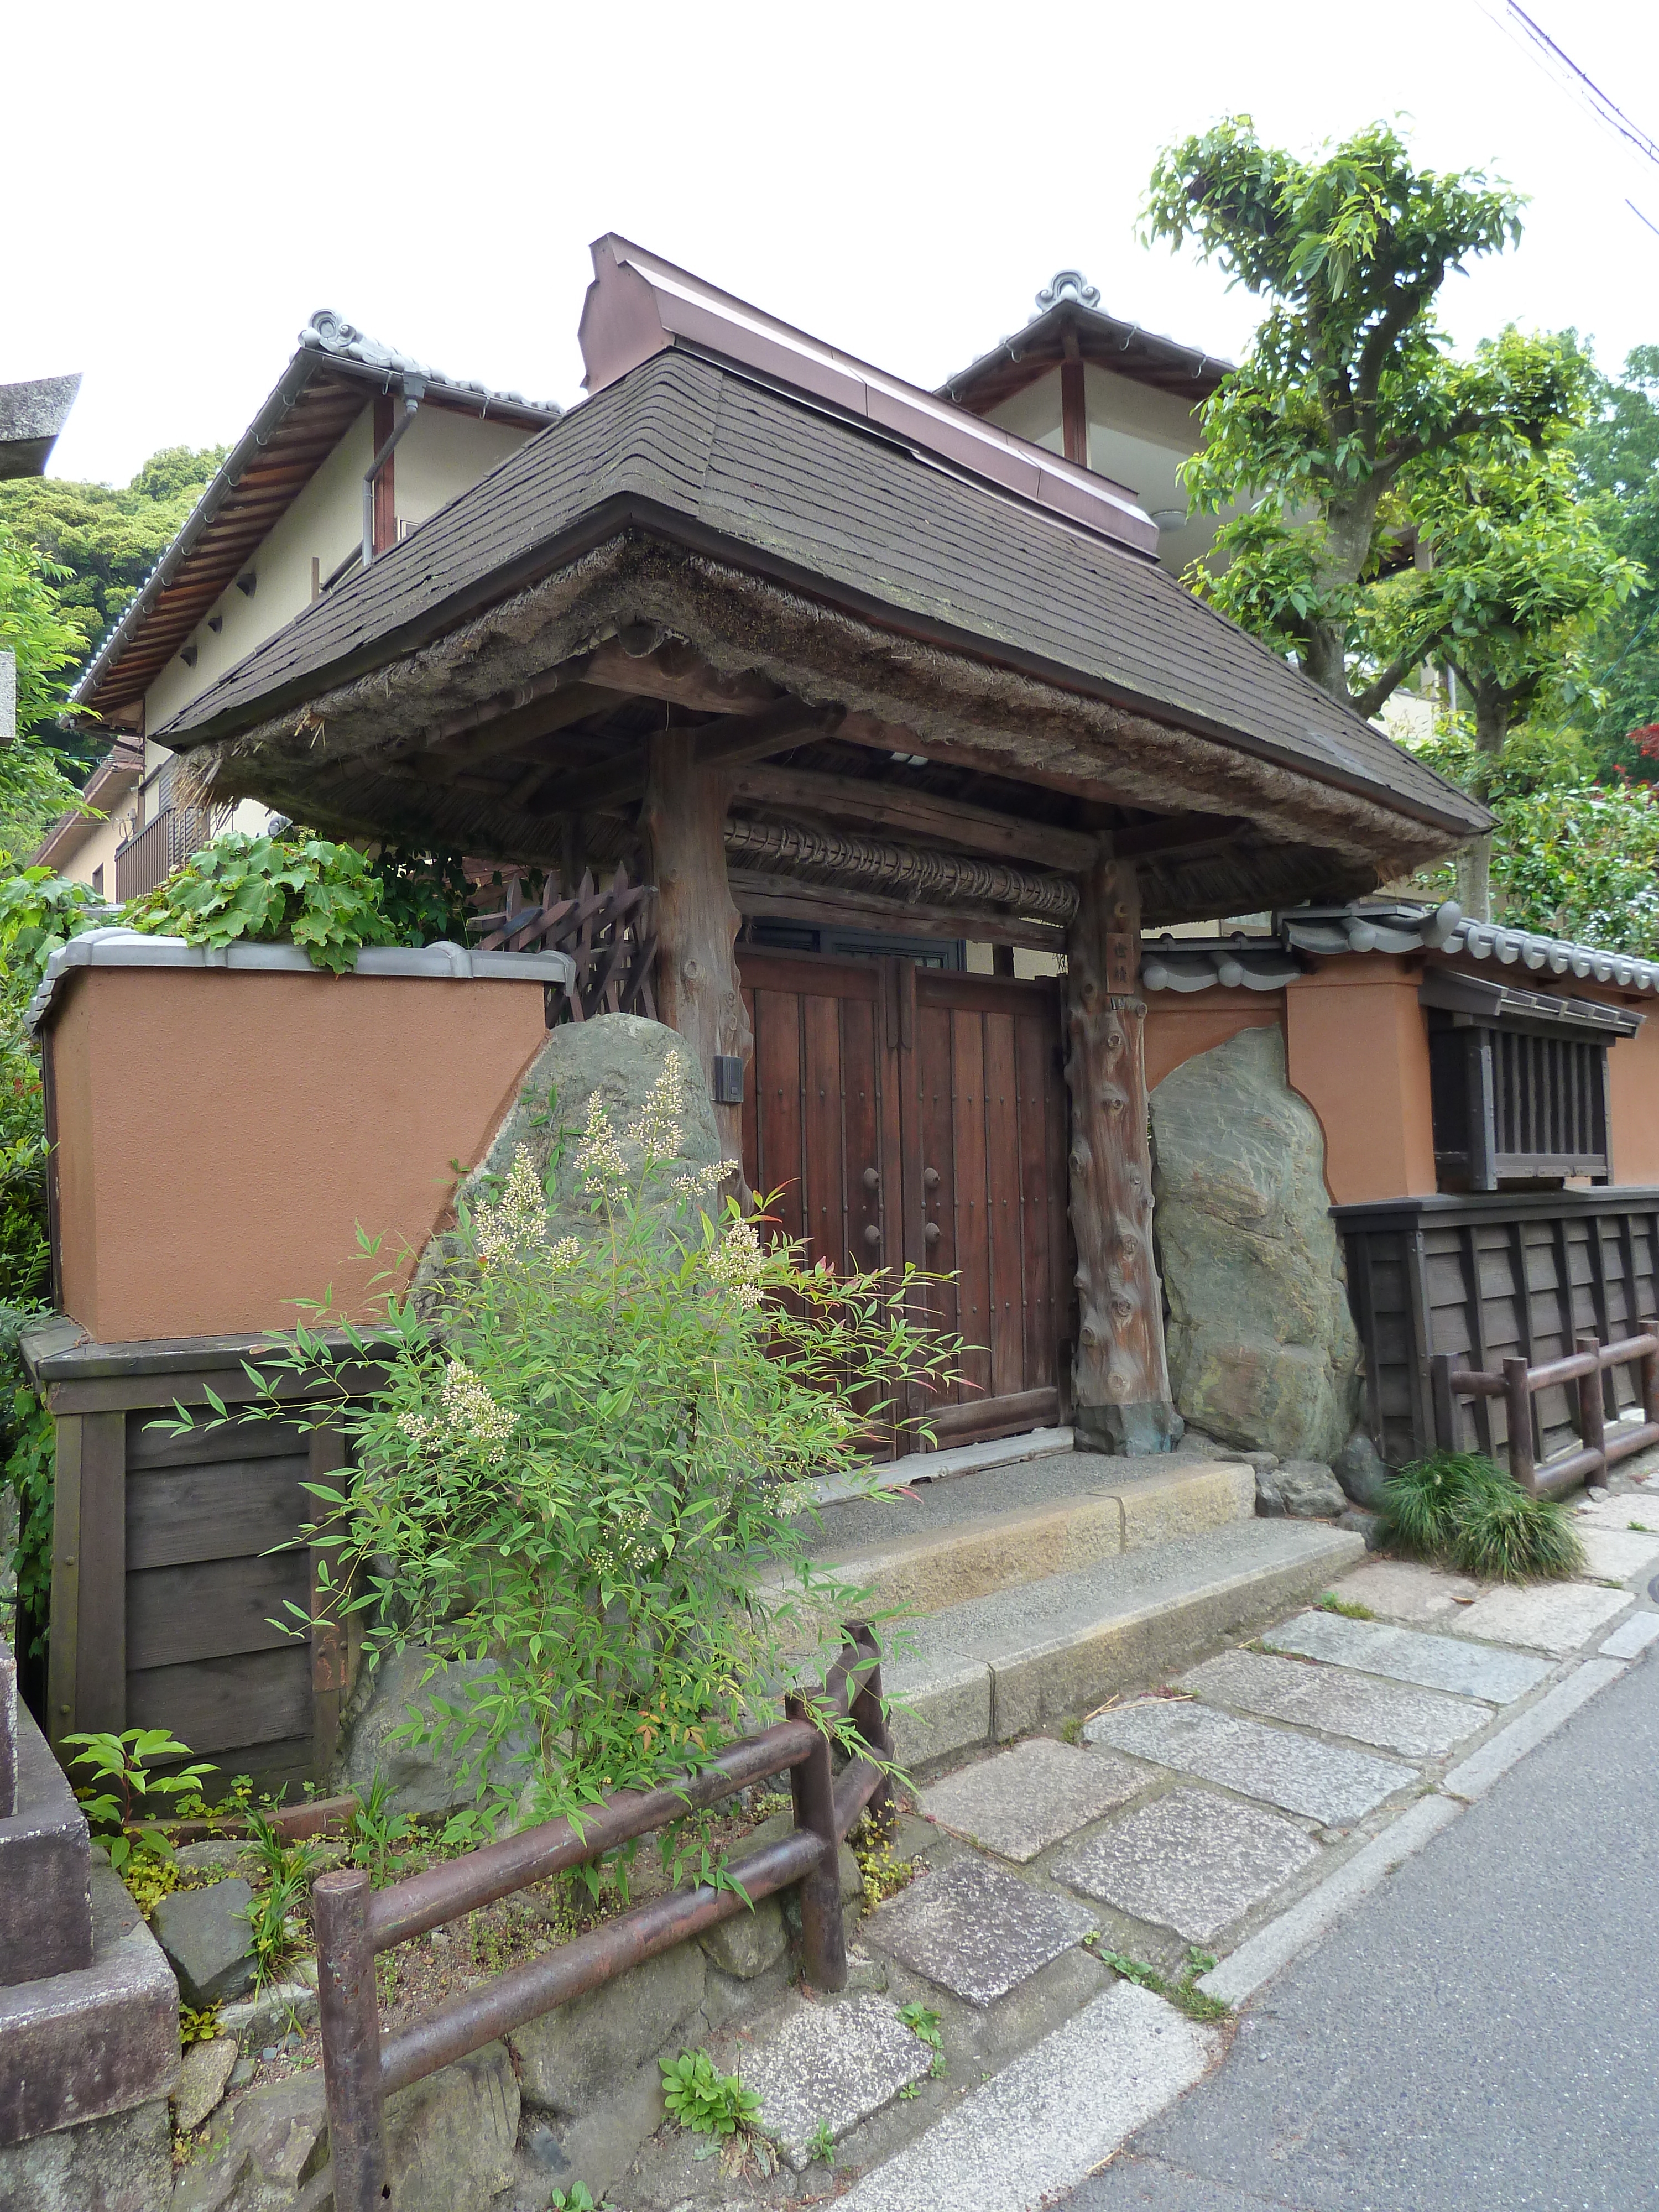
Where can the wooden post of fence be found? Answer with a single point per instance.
(870, 1721)
(1592, 1410)
(823, 1937)
(351, 2039)
(1517, 1402)
(1445, 1406)
(1649, 1371)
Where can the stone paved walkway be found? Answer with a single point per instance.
(1195, 1822)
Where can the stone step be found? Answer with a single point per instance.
(46, 1910)
(1003, 1528)
(992, 1667)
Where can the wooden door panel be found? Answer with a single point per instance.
(932, 1097)
(945, 1090)
(1003, 1207)
(1033, 1057)
(963, 1170)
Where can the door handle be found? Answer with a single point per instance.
(873, 1235)
(872, 1178)
(930, 1231)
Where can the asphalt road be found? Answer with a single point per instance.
(1482, 2035)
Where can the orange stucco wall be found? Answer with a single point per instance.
(1633, 1095)
(1357, 1047)
(222, 1134)
(1179, 1026)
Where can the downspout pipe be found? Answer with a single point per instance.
(414, 391)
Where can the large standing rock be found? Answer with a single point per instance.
(1262, 1348)
(621, 1057)
(420, 1778)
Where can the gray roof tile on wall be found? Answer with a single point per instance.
(783, 478)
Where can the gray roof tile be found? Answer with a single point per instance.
(791, 481)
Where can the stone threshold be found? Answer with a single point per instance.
(941, 1466)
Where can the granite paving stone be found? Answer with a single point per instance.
(1188, 1861)
(1401, 1589)
(1022, 1801)
(1295, 1771)
(1033, 2131)
(1409, 1654)
(832, 2065)
(1618, 1510)
(1554, 1617)
(975, 1931)
(1631, 1638)
(1618, 1554)
(1421, 1723)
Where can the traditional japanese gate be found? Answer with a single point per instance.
(909, 1113)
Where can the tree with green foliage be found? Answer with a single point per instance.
(1617, 453)
(47, 643)
(1348, 387)
(1518, 583)
(107, 539)
(1572, 856)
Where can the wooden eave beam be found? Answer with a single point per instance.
(790, 898)
(893, 807)
(1147, 839)
(679, 674)
(731, 741)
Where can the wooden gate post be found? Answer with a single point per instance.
(1121, 1382)
(697, 990)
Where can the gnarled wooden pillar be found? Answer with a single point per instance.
(697, 993)
(1120, 1377)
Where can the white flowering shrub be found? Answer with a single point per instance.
(590, 1462)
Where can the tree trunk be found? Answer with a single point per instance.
(1494, 705)
(1324, 658)
(1121, 1384)
(697, 991)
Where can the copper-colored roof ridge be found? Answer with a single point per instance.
(640, 304)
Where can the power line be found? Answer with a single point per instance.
(1608, 110)
(1565, 75)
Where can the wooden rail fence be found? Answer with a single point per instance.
(361, 2067)
(1518, 1384)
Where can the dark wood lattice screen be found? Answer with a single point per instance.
(610, 934)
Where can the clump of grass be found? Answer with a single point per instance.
(1459, 1511)
(1182, 1991)
(1349, 1608)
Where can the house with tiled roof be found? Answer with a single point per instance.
(356, 446)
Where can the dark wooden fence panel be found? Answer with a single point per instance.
(1490, 1276)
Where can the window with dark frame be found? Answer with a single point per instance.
(1519, 1082)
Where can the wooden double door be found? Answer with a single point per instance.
(904, 1113)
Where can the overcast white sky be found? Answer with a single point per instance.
(899, 178)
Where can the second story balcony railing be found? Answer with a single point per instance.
(163, 845)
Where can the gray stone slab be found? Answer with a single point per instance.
(1618, 1554)
(1421, 1723)
(975, 1931)
(1407, 1655)
(1022, 1801)
(1036, 2128)
(1618, 1511)
(208, 1941)
(77, 2045)
(1402, 1589)
(832, 2065)
(1295, 1771)
(1554, 1617)
(1188, 1861)
(1631, 1638)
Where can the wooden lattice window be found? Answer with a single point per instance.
(1519, 1082)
